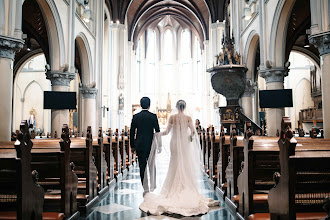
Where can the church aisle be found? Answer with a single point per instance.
(123, 203)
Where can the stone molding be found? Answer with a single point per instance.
(217, 24)
(249, 90)
(275, 74)
(119, 26)
(88, 93)
(59, 78)
(9, 46)
(321, 41)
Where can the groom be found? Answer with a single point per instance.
(144, 123)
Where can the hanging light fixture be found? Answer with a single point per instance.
(247, 13)
(86, 16)
(306, 45)
(28, 44)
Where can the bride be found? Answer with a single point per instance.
(179, 193)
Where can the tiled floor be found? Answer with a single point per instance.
(123, 203)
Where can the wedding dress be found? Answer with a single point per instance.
(180, 191)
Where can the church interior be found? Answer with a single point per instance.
(252, 72)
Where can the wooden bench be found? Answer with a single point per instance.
(261, 160)
(117, 155)
(107, 143)
(28, 188)
(222, 163)
(233, 168)
(101, 164)
(304, 182)
(57, 173)
(122, 155)
(213, 157)
(81, 154)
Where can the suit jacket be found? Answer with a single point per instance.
(145, 123)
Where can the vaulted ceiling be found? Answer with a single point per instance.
(296, 38)
(33, 25)
(143, 14)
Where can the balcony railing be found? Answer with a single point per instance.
(310, 115)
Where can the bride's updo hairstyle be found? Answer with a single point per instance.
(181, 105)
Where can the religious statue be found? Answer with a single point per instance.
(215, 101)
(32, 119)
(121, 101)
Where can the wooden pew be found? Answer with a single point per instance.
(222, 163)
(107, 143)
(101, 164)
(213, 158)
(81, 154)
(207, 143)
(123, 155)
(261, 158)
(304, 181)
(203, 145)
(256, 177)
(20, 195)
(57, 161)
(233, 168)
(117, 155)
(61, 177)
(129, 157)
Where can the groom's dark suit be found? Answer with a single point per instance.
(145, 123)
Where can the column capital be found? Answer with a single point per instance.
(9, 46)
(217, 24)
(274, 74)
(116, 25)
(321, 41)
(88, 92)
(60, 78)
(250, 88)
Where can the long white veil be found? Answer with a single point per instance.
(175, 175)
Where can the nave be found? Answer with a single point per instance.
(124, 200)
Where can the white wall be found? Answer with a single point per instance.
(299, 81)
(29, 85)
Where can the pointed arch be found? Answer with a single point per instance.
(250, 52)
(278, 31)
(55, 33)
(85, 57)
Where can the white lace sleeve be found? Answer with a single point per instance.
(191, 126)
(168, 129)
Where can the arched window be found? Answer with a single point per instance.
(151, 54)
(168, 47)
(198, 62)
(138, 63)
(185, 46)
(167, 82)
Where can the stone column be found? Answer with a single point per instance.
(60, 83)
(274, 80)
(117, 53)
(247, 101)
(322, 42)
(8, 47)
(89, 109)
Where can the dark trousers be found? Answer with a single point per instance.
(143, 159)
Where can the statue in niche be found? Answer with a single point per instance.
(216, 101)
(32, 119)
(121, 81)
(121, 101)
